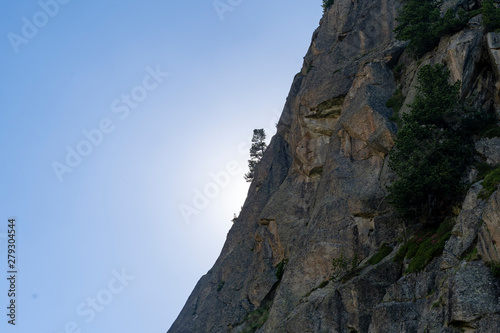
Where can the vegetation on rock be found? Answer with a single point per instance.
(320, 286)
(256, 152)
(343, 268)
(421, 23)
(483, 169)
(495, 268)
(422, 248)
(398, 71)
(383, 252)
(280, 269)
(327, 4)
(491, 15)
(492, 131)
(396, 101)
(490, 183)
(255, 319)
(472, 255)
(433, 148)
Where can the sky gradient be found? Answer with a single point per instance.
(125, 134)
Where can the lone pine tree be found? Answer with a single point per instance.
(256, 152)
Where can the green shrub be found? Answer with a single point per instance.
(280, 269)
(422, 248)
(491, 15)
(483, 169)
(383, 252)
(396, 101)
(220, 285)
(491, 132)
(343, 268)
(323, 284)
(327, 4)
(495, 268)
(420, 22)
(451, 22)
(425, 156)
(490, 183)
(398, 71)
(340, 267)
(255, 319)
(416, 20)
(472, 255)
(320, 286)
(400, 256)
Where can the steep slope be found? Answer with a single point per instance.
(320, 194)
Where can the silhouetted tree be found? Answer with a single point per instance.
(327, 4)
(256, 152)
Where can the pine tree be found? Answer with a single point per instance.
(432, 149)
(256, 152)
(491, 15)
(420, 22)
(327, 4)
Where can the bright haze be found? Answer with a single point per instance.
(126, 127)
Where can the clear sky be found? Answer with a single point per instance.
(125, 134)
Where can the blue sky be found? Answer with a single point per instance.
(158, 99)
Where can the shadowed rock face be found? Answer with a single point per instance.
(319, 194)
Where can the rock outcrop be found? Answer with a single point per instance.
(319, 196)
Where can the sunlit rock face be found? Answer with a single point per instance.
(319, 196)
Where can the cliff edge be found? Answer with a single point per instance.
(299, 256)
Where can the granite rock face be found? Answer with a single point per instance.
(489, 237)
(319, 196)
(489, 149)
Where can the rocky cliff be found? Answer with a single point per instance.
(300, 256)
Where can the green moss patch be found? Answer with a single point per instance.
(383, 252)
(396, 101)
(492, 131)
(483, 169)
(344, 269)
(490, 183)
(255, 319)
(495, 268)
(472, 255)
(320, 286)
(422, 248)
(280, 269)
